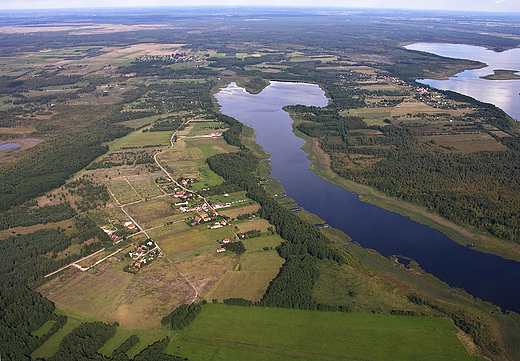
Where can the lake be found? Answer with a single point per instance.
(486, 276)
(505, 94)
(8, 146)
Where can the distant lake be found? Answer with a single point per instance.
(502, 93)
(483, 275)
(8, 146)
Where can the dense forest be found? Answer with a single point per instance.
(476, 188)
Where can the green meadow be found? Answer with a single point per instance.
(222, 332)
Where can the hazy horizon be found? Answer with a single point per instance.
(490, 6)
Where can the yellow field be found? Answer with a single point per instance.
(250, 285)
(256, 223)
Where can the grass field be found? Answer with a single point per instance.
(257, 244)
(141, 122)
(253, 272)
(89, 295)
(256, 224)
(261, 261)
(155, 212)
(467, 143)
(122, 190)
(250, 285)
(193, 238)
(138, 140)
(231, 197)
(348, 286)
(222, 332)
(44, 329)
(51, 345)
(235, 212)
(146, 337)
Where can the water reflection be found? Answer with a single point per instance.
(503, 93)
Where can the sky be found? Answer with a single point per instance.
(457, 5)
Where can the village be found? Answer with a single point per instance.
(142, 255)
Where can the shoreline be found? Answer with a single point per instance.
(462, 235)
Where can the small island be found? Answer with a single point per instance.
(501, 74)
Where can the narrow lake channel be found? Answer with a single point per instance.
(488, 277)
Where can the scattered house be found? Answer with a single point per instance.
(150, 243)
(114, 236)
(221, 250)
(226, 240)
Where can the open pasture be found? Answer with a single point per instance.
(144, 182)
(206, 270)
(205, 127)
(141, 122)
(370, 113)
(262, 333)
(261, 261)
(88, 294)
(349, 285)
(146, 337)
(155, 212)
(139, 140)
(151, 294)
(50, 346)
(169, 230)
(257, 223)
(382, 86)
(231, 197)
(207, 178)
(210, 146)
(420, 107)
(178, 160)
(249, 285)
(468, 143)
(235, 212)
(257, 244)
(122, 190)
(193, 238)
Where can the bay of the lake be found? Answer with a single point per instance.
(486, 276)
(505, 94)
